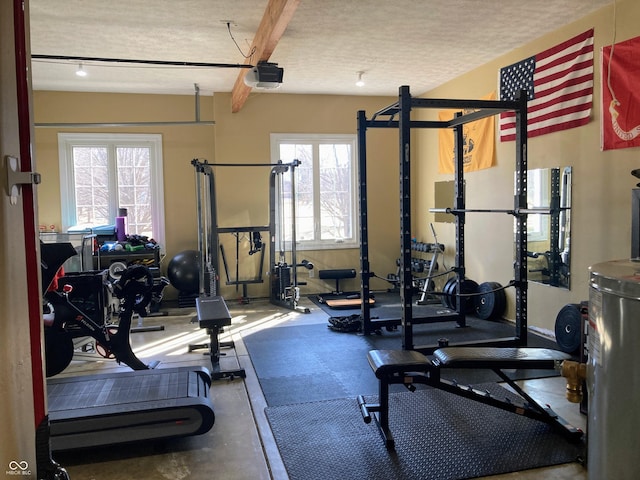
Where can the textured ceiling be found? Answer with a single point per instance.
(401, 42)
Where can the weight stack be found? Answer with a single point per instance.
(187, 300)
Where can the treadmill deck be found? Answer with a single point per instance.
(122, 407)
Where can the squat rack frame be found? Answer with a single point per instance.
(477, 109)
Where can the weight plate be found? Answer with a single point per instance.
(451, 291)
(485, 303)
(568, 328)
(447, 292)
(116, 269)
(492, 302)
(501, 301)
(467, 303)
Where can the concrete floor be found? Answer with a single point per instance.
(240, 445)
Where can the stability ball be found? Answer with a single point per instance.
(183, 271)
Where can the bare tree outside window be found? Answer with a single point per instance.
(134, 188)
(102, 173)
(335, 192)
(91, 177)
(325, 196)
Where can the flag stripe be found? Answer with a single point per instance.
(580, 93)
(559, 82)
(545, 118)
(577, 45)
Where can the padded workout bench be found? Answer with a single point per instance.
(339, 299)
(213, 314)
(408, 367)
(337, 275)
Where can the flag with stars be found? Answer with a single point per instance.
(559, 85)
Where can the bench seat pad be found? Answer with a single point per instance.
(389, 362)
(212, 312)
(498, 357)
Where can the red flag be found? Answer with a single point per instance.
(621, 95)
(559, 84)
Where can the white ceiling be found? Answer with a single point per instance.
(395, 42)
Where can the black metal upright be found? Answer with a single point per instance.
(365, 273)
(459, 204)
(520, 266)
(406, 277)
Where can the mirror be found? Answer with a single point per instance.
(548, 234)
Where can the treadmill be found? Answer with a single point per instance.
(106, 409)
(122, 407)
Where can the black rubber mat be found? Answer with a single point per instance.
(304, 363)
(439, 436)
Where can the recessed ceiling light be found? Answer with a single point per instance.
(81, 72)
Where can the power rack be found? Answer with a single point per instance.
(398, 115)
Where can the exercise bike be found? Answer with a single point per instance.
(133, 290)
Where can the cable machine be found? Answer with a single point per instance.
(398, 115)
(284, 287)
(285, 290)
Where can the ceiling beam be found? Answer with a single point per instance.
(272, 26)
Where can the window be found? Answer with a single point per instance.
(102, 173)
(326, 188)
(538, 196)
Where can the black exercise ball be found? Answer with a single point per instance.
(183, 271)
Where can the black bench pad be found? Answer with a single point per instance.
(388, 362)
(337, 274)
(497, 357)
(212, 312)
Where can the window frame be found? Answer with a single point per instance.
(538, 193)
(66, 143)
(316, 139)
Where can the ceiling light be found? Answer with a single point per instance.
(80, 72)
(360, 82)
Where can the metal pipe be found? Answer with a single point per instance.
(295, 163)
(197, 107)
(200, 229)
(122, 124)
(517, 211)
(137, 61)
(135, 124)
(575, 373)
(294, 260)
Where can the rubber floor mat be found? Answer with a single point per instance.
(439, 436)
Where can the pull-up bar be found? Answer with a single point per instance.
(294, 163)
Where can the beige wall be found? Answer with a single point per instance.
(243, 193)
(601, 210)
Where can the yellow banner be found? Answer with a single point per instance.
(478, 146)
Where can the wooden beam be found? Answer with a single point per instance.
(272, 26)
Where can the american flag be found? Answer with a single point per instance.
(559, 85)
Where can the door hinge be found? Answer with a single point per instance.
(16, 178)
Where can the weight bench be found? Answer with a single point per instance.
(339, 299)
(337, 275)
(408, 367)
(213, 314)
